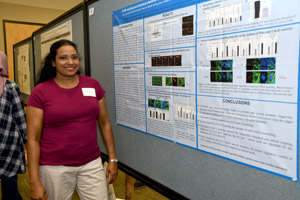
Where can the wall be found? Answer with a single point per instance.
(13, 12)
(25, 14)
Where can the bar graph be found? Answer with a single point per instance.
(184, 111)
(266, 45)
(220, 17)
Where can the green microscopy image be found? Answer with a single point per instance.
(165, 105)
(168, 81)
(181, 82)
(256, 77)
(271, 78)
(215, 76)
(157, 103)
(219, 65)
(216, 65)
(256, 64)
(156, 80)
(151, 103)
(228, 76)
(218, 76)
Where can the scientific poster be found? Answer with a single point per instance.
(23, 69)
(219, 76)
(63, 31)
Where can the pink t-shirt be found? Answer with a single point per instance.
(69, 135)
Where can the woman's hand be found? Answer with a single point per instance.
(112, 172)
(38, 192)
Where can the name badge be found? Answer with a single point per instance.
(89, 92)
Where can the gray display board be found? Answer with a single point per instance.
(76, 18)
(194, 174)
(16, 48)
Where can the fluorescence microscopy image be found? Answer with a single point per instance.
(174, 60)
(253, 64)
(157, 80)
(216, 65)
(174, 81)
(151, 103)
(171, 60)
(216, 76)
(178, 60)
(165, 60)
(226, 76)
(255, 77)
(261, 70)
(181, 81)
(267, 63)
(188, 25)
(220, 65)
(165, 105)
(157, 103)
(261, 63)
(226, 64)
(188, 18)
(159, 61)
(168, 81)
(264, 77)
(271, 77)
(153, 61)
(249, 77)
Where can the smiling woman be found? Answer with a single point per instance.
(62, 62)
(67, 65)
(63, 112)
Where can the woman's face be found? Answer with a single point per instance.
(66, 61)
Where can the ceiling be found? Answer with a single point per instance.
(53, 4)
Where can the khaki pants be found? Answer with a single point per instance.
(89, 180)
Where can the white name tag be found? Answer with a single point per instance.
(90, 92)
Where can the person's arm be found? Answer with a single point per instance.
(19, 113)
(107, 135)
(34, 131)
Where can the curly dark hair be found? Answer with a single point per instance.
(48, 71)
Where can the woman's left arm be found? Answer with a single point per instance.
(107, 135)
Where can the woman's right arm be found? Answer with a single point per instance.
(34, 131)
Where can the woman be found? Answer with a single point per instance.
(13, 134)
(62, 116)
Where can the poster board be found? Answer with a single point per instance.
(23, 67)
(14, 32)
(69, 26)
(191, 173)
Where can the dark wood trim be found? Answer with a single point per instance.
(86, 33)
(60, 18)
(90, 1)
(15, 22)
